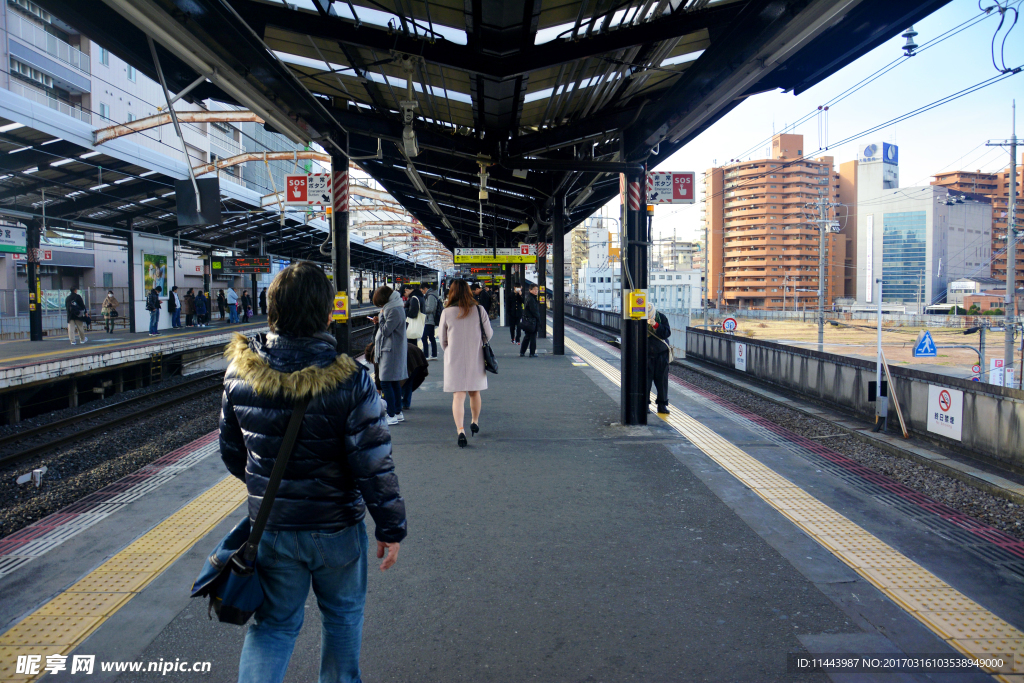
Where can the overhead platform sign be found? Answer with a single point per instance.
(670, 187)
(522, 254)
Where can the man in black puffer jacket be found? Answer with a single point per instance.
(341, 466)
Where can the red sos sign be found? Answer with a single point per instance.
(682, 187)
(295, 189)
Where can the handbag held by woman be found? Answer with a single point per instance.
(490, 362)
(230, 575)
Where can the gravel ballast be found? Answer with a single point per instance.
(76, 471)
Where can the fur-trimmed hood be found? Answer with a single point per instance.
(274, 365)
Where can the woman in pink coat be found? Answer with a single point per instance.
(461, 339)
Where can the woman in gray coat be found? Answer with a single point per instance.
(389, 344)
(464, 326)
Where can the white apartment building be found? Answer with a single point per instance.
(674, 289)
(602, 286)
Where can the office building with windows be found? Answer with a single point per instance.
(916, 239)
(995, 186)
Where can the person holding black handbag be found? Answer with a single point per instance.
(109, 309)
(341, 468)
(464, 331)
(530, 323)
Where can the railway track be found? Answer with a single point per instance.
(78, 429)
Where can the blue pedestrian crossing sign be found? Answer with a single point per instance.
(925, 346)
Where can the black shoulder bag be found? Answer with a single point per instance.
(229, 576)
(490, 362)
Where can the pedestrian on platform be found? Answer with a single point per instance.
(75, 307)
(153, 306)
(416, 364)
(201, 308)
(658, 356)
(109, 309)
(530, 322)
(432, 309)
(515, 313)
(482, 296)
(390, 344)
(464, 328)
(174, 307)
(222, 303)
(190, 307)
(232, 299)
(341, 467)
(263, 301)
(246, 306)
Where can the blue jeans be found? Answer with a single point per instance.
(154, 319)
(233, 313)
(176, 318)
(393, 397)
(287, 560)
(407, 394)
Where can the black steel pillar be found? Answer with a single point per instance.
(634, 394)
(207, 281)
(506, 289)
(542, 281)
(35, 292)
(558, 277)
(340, 256)
(131, 276)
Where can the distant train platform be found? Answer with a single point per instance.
(26, 361)
(711, 544)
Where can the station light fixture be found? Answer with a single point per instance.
(522, 227)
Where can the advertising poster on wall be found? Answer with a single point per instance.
(154, 272)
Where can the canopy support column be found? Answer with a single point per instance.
(558, 276)
(635, 395)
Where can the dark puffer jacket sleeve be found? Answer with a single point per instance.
(368, 450)
(232, 444)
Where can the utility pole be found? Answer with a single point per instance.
(1011, 248)
(824, 227)
(706, 290)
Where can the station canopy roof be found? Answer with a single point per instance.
(91, 189)
(537, 91)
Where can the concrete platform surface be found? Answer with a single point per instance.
(562, 546)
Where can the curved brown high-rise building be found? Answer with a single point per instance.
(763, 241)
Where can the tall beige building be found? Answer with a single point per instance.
(763, 241)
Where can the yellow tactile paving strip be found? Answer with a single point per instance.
(59, 626)
(964, 624)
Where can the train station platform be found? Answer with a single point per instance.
(24, 362)
(560, 545)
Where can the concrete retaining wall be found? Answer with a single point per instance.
(993, 417)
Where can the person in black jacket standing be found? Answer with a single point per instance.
(341, 467)
(658, 332)
(75, 306)
(515, 313)
(482, 296)
(530, 323)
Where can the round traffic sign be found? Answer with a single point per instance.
(729, 324)
(976, 369)
(975, 379)
(945, 401)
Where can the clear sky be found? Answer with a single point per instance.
(949, 137)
